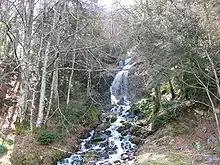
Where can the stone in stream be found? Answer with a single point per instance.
(117, 162)
(104, 144)
(108, 132)
(125, 132)
(104, 155)
(124, 156)
(103, 127)
(88, 145)
(85, 136)
(113, 119)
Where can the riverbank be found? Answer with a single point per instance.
(190, 140)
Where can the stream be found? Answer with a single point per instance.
(110, 143)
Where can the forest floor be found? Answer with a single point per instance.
(190, 141)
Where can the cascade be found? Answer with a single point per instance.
(109, 145)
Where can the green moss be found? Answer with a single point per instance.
(90, 156)
(57, 155)
(21, 127)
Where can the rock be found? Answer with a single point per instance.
(85, 136)
(212, 139)
(107, 132)
(88, 145)
(125, 132)
(100, 138)
(103, 127)
(113, 119)
(122, 128)
(117, 162)
(180, 148)
(124, 156)
(136, 140)
(104, 144)
(135, 130)
(139, 131)
(104, 155)
(143, 123)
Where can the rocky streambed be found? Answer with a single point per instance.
(113, 142)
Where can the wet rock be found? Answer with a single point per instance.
(104, 155)
(85, 136)
(107, 132)
(103, 127)
(122, 128)
(99, 139)
(104, 144)
(117, 162)
(88, 145)
(125, 132)
(113, 119)
(124, 156)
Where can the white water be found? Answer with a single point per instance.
(118, 148)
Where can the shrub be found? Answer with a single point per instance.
(48, 136)
(145, 106)
(3, 149)
(79, 114)
(21, 127)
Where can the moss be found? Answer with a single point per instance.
(21, 127)
(90, 156)
(31, 158)
(169, 159)
(152, 163)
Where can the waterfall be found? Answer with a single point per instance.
(120, 88)
(110, 144)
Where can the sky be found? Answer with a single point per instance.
(108, 3)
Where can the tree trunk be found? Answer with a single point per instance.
(44, 74)
(74, 55)
(156, 100)
(172, 92)
(24, 57)
(43, 88)
(70, 80)
(52, 91)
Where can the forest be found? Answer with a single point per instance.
(86, 84)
